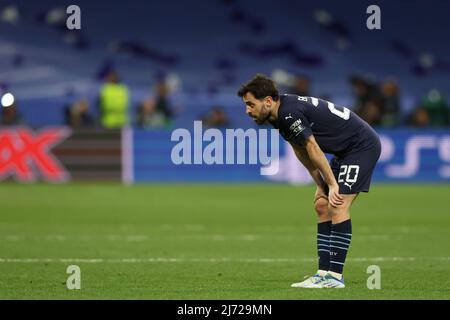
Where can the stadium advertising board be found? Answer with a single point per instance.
(407, 156)
(59, 154)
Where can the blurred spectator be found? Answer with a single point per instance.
(419, 118)
(216, 118)
(390, 104)
(149, 117)
(11, 116)
(368, 101)
(162, 101)
(113, 102)
(437, 109)
(155, 112)
(301, 86)
(371, 112)
(77, 115)
(363, 90)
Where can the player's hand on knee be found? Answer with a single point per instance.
(334, 197)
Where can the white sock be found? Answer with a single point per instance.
(336, 275)
(322, 273)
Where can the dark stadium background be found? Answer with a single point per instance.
(73, 191)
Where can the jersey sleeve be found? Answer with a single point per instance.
(296, 126)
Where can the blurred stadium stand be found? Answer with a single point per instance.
(205, 49)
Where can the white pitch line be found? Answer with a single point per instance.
(208, 260)
(205, 237)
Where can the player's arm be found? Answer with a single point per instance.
(302, 156)
(318, 159)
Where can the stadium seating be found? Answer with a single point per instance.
(210, 49)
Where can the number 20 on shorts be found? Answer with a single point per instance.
(348, 173)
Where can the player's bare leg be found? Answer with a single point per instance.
(321, 206)
(342, 213)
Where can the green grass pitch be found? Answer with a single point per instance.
(214, 242)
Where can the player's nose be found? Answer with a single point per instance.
(248, 111)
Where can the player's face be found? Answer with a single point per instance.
(259, 110)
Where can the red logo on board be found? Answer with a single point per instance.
(26, 155)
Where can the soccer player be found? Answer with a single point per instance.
(313, 127)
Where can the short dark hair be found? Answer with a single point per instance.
(260, 86)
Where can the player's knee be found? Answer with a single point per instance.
(337, 211)
(321, 207)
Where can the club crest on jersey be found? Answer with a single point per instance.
(297, 127)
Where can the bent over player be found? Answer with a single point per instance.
(313, 127)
